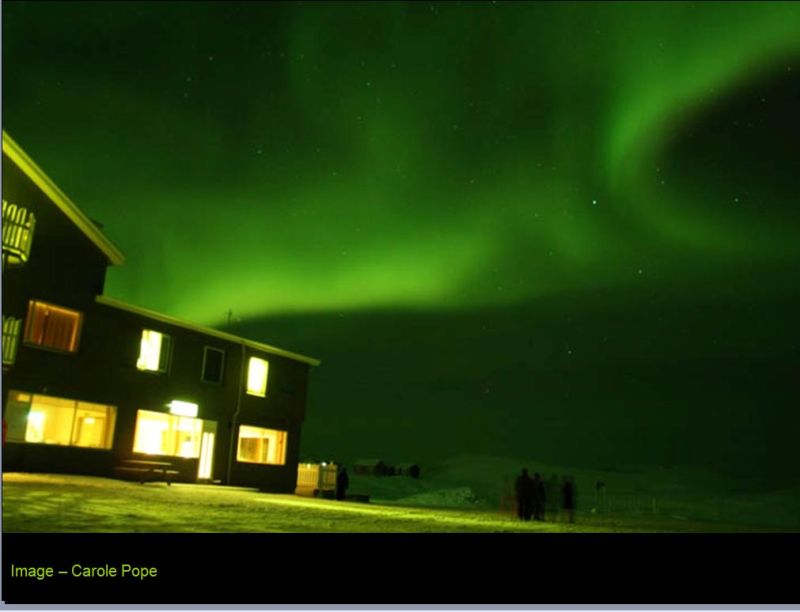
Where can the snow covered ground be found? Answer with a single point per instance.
(65, 503)
(630, 493)
(467, 494)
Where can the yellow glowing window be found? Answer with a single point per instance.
(42, 419)
(11, 333)
(154, 351)
(257, 371)
(18, 224)
(52, 326)
(259, 445)
(159, 433)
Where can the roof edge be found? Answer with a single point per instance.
(60, 199)
(152, 314)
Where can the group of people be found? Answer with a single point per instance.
(532, 496)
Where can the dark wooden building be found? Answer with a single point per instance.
(90, 382)
(371, 467)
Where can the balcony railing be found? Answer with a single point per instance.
(11, 333)
(18, 224)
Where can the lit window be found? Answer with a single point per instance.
(154, 351)
(11, 329)
(18, 224)
(258, 445)
(257, 377)
(212, 364)
(159, 433)
(52, 326)
(54, 420)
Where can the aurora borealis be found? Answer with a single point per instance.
(577, 220)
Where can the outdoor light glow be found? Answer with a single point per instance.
(181, 408)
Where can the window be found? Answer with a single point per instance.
(159, 433)
(154, 351)
(52, 326)
(11, 329)
(258, 445)
(213, 360)
(43, 419)
(257, 377)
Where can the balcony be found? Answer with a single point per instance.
(11, 333)
(18, 224)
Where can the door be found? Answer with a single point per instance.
(206, 465)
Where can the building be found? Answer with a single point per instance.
(316, 479)
(371, 467)
(407, 469)
(90, 382)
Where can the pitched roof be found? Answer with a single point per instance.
(157, 316)
(60, 199)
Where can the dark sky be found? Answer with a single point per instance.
(566, 231)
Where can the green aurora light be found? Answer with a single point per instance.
(289, 158)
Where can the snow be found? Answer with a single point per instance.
(630, 492)
(469, 493)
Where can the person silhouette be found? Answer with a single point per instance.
(539, 497)
(568, 498)
(342, 482)
(523, 488)
(553, 497)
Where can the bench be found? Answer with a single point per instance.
(146, 471)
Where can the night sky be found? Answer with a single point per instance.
(562, 231)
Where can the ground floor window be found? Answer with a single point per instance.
(42, 419)
(259, 445)
(159, 433)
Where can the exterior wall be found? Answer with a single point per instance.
(115, 346)
(66, 269)
(104, 371)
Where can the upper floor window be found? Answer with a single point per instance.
(52, 326)
(154, 351)
(213, 360)
(257, 377)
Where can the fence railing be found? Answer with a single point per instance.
(11, 333)
(315, 476)
(18, 225)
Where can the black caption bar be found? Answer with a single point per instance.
(400, 568)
